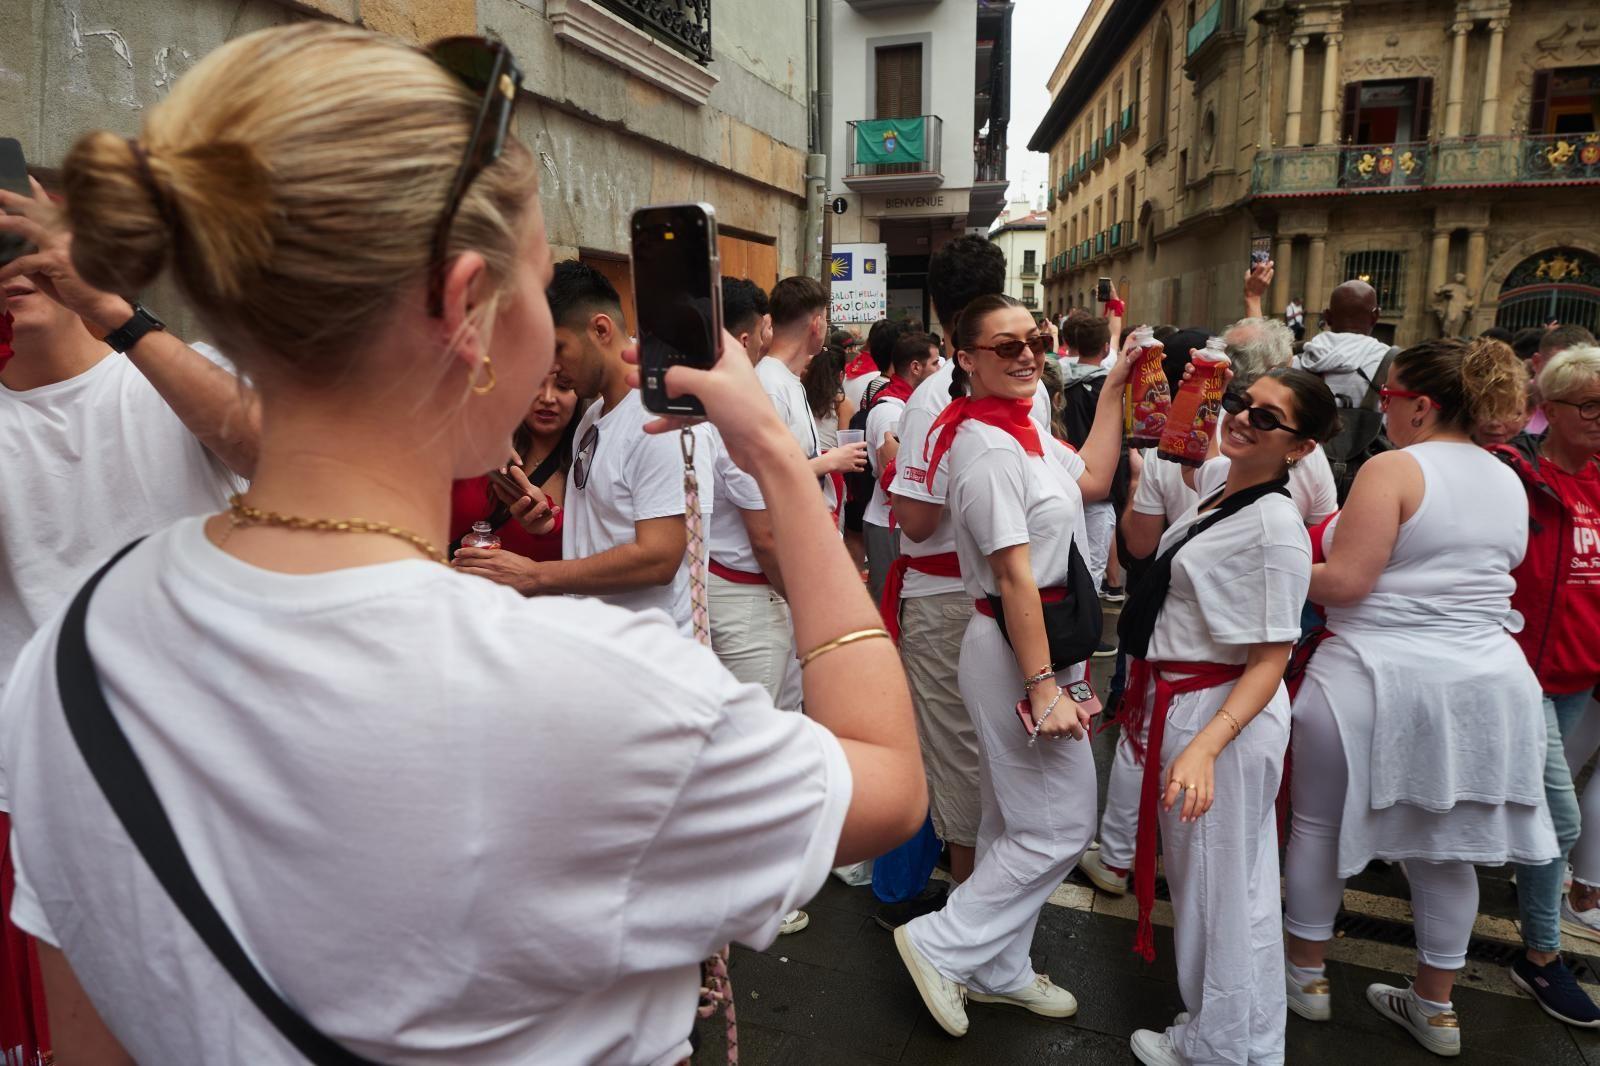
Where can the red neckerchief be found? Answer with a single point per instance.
(1013, 416)
(861, 366)
(897, 389)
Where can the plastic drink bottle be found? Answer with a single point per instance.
(482, 536)
(1148, 397)
(1192, 422)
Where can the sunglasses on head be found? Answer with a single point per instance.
(489, 69)
(1238, 403)
(1009, 350)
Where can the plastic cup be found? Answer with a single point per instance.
(852, 436)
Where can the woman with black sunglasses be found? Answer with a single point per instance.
(1015, 498)
(1418, 730)
(1211, 624)
(422, 818)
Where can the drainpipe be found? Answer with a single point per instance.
(819, 22)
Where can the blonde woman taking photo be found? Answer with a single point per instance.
(448, 824)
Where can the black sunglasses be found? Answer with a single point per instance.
(1237, 403)
(489, 69)
(583, 462)
(1009, 350)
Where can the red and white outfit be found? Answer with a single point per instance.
(883, 541)
(1010, 484)
(1239, 583)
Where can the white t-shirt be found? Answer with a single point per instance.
(911, 479)
(734, 491)
(882, 420)
(453, 825)
(633, 476)
(788, 395)
(856, 387)
(1241, 582)
(1001, 496)
(1163, 491)
(90, 464)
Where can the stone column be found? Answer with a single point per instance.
(1280, 275)
(1327, 127)
(1315, 296)
(1458, 78)
(1438, 262)
(1477, 261)
(1297, 91)
(1490, 114)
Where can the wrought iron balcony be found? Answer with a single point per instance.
(1094, 151)
(1100, 241)
(1109, 139)
(1547, 159)
(1204, 26)
(895, 155)
(683, 24)
(1555, 158)
(1050, 199)
(1116, 235)
(1073, 257)
(1129, 123)
(1341, 168)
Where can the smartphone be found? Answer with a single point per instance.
(1103, 291)
(506, 482)
(677, 285)
(13, 178)
(1260, 250)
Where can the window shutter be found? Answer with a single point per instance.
(1352, 109)
(899, 81)
(1424, 115)
(1539, 109)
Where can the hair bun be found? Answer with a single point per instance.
(130, 206)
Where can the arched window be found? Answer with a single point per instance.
(1160, 73)
(1559, 284)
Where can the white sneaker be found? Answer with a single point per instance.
(1439, 1033)
(1582, 924)
(1106, 880)
(945, 1000)
(793, 922)
(1042, 997)
(1155, 1049)
(1313, 1002)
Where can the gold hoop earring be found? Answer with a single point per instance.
(486, 387)
(1290, 462)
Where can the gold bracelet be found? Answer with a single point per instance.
(839, 642)
(1231, 721)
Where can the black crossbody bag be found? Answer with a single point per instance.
(1072, 624)
(122, 778)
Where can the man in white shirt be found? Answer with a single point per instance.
(751, 631)
(100, 447)
(623, 538)
(799, 309)
(914, 358)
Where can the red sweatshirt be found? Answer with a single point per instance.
(1558, 583)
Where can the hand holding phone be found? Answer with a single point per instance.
(677, 283)
(14, 179)
(1102, 290)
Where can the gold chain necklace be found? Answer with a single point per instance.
(242, 514)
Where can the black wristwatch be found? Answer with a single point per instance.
(133, 331)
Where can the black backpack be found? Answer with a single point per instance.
(1080, 400)
(858, 486)
(1360, 435)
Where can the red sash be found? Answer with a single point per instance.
(1192, 677)
(1054, 594)
(1013, 416)
(944, 564)
(738, 577)
(836, 479)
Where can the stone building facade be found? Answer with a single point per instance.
(712, 102)
(1446, 150)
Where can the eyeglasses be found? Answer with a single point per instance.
(1387, 394)
(1589, 410)
(583, 462)
(488, 68)
(1237, 403)
(1009, 350)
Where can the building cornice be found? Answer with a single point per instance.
(1121, 25)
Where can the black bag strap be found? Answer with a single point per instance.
(1145, 600)
(1369, 399)
(122, 778)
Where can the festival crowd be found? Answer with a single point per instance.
(387, 684)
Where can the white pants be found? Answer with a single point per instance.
(1444, 895)
(1119, 825)
(1038, 817)
(1101, 520)
(1223, 874)
(753, 636)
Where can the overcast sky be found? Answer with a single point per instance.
(1040, 30)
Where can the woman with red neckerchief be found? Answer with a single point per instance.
(1016, 503)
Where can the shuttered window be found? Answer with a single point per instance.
(899, 80)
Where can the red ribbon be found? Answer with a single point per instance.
(1013, 416)
(944, 564)
(1191, 677)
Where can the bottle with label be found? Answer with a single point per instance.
(482, 536)
(1192, 422)
(1148, 397)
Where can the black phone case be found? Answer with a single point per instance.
(652, 372)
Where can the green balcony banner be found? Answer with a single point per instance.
(891, 140)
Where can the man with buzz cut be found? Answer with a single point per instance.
(623, 538)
